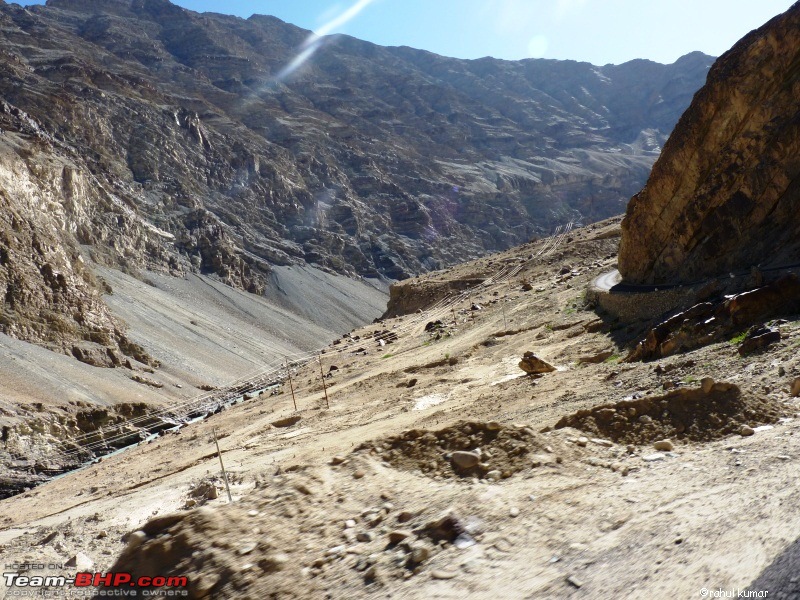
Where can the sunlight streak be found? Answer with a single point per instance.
(316, 40)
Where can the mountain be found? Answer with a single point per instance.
(367, 160)
(725, 194)
(150, 154)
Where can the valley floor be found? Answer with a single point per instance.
(356, 500)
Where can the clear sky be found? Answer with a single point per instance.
(597, 31)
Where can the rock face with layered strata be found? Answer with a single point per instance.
(367, 161)
(140, 135)
(725, 193)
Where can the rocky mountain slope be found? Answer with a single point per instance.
(439, 469)
(725, 194)
(367, 160)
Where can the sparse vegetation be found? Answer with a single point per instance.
(738, 339)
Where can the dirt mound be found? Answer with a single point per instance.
(466, 449)
(709, 412)
(218, 551)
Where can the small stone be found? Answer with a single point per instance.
(247, 548)
(746, 430)
(419, 553)
(493, 426)
(365, 536)
(358, 474)
(601, 442)
(349, 536)
(442, 574)
(335, 551)
(102, 534)
(80, 561)
(574, 581)
(398, 535)
(405, 516)
(494, 475)
(653, 457)
(582, 441)
(577, 547)
(465, 460)
(252, 513)
(513, 512)
(349, 524)
(707, 384)
(663, 445)
(204, 584)
(337, 460)
(796, 387)
(372, 574)
(274, 562)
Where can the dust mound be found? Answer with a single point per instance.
(218, 551)
(506, 449)
(696, 414)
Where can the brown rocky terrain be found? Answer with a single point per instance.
(490, 434)
(138, 139)
(725, 194)
(441, 469)
(369, 160)
(57, 413)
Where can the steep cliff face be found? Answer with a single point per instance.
(366, 160)
(725, 193)
(48, 207)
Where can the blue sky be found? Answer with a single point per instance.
(597, 31)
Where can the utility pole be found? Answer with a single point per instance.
(224, 474)
(322, 376)
(291, 385)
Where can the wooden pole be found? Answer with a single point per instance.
(454, 318)
(224, 474)
(324, 387)
(291, 385)
(505, 325)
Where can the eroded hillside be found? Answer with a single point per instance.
(442, 469)
(368, 160)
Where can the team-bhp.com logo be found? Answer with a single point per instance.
(154, 585)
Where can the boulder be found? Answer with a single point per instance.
(757, 338)
(533, 365)
(725, 193)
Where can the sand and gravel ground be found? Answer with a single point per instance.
(360, 499)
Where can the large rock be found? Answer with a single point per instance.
(533, 365)
(725, 193)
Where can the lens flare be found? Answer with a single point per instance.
(317, 39)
